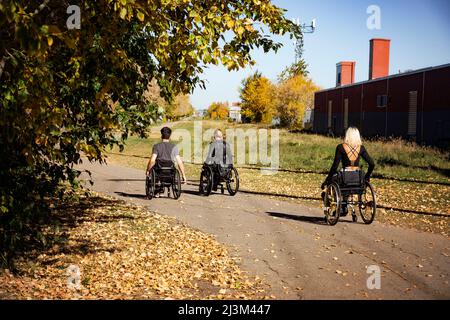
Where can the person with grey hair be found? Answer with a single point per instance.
(219, 152)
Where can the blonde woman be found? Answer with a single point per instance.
(349, 153)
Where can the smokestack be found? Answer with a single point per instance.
(379, 58)
(345, 73)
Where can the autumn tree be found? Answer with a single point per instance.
(171, 109)
(293, 96)
(299, 68)
(257, 96)
(180, 108)
(218, 111)
(66, 93)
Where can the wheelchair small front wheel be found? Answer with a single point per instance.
(176, 186)
(368, 204)
(206, 181)
(332, 203)
(232, 182)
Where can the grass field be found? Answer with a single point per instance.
(407, 177)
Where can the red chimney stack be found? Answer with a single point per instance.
(345, 73)
(379, 58)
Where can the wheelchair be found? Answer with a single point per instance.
(214, 176)
(163, 175)
(348, 189)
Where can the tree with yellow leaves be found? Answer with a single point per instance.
(176, 108)
(257, 95)
(293, 96)
(218, 111)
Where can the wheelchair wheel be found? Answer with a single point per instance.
(368, 204)
(176, 186)
(332, 203)
(150, 185)
(232, 182)
(206, 181)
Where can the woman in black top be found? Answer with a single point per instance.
(349, 153)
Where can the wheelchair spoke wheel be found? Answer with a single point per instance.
(206, 181)
(368, 204)
(232, 182)
(332, 204)
(150, 185)
(176, 186)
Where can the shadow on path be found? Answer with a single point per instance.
(131, 195)
(124, 180)
(307, 219)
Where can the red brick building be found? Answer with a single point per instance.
(413, 105)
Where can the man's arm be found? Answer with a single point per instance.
(151, 163)
(181, 166)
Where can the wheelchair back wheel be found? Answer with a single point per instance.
(206, 181)
(368, 204)
(332, 204)
(176, 186)
(232, 181)
(150, 185)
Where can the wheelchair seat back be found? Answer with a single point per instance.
(351, 178)
(165, 169)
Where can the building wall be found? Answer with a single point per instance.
(436, 110)
(373, 118)
(433, 107)
(353, 94)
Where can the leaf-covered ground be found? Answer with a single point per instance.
(127, 252)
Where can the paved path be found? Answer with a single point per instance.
(289, 245)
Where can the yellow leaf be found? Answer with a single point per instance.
(140, 16)
(123, 13)
(49, 41)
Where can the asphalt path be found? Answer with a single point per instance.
(289, 245)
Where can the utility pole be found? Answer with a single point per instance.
(298, 43)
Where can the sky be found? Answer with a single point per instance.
(419, 31)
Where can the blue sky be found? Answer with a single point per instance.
(419, 31)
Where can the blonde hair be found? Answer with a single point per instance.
(352, 137)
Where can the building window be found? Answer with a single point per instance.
(345, 113)
(412, 113)
(382, 101)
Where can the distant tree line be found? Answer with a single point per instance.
(263, 101)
